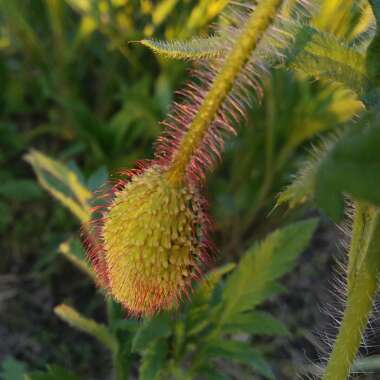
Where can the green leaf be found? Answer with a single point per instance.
(240, 352)
(212, 374)
(352, 167)
(197, 317)
(258, 323)
(73, 250)
(205, 288)
(20, 189)
(12, 369)
(196, 48)
(97, 178)
(324, 56)
(87, 325)
(152, 328)
(54, 372)
(153, 360)
(302, 188)
(261, 266)
(62, 183)
(314, 53)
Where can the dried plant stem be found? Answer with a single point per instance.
(222, 84)
(363, 273)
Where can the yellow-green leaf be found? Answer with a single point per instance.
(87, 325)
(62, 183)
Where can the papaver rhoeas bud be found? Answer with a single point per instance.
(153, 241)
(149, 242)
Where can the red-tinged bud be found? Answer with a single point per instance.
(154, 239)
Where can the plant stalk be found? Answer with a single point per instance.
(252, 32)
(121, 354)
(355, 320)
(364, 215)
(362, 278)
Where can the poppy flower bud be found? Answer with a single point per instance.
(153, 242)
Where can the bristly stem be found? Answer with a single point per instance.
(251, 34)
(363, 274)
(362, 225)
(353, 325)
(363, 256)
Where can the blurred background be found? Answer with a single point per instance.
(76, 87)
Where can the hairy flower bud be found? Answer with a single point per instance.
(153, 241)
(149, 243)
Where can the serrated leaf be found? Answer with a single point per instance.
(324, 56)
(197, 317)
(54, 372)
(87, 325)
(12, 369)
(153, 328)
(258, 323)
(240, 352)
(314, 53)
(261, 266)
(62, 183)
(336, 16)
(205, 288)
(352, 167)
(302, 187)
(153, 360)
(196, 48)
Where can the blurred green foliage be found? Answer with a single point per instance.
(76, 87)
(199, 331)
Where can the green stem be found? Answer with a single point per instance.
(251, 34)
(353, 325)
(121, 355)
(361, 230)
(363, 274)
(55, 13)
(121, 366)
